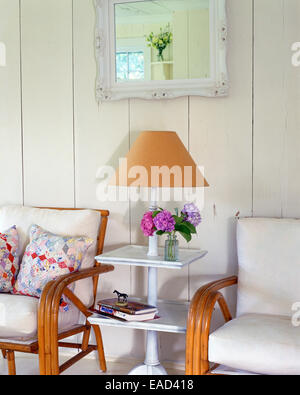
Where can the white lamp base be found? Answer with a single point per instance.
(153, 246)
(148, 370)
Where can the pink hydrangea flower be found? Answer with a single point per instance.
(147, 224)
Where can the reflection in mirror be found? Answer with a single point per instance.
(162, 40)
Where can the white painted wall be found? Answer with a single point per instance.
(54, 136)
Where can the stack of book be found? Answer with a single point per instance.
(134, 311)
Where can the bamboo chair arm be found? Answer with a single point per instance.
(56, 294)
(84, 273)
(73, 277)
(46, 301)
(49, 306)
(197, 308)
(201, 362)
(62, 283)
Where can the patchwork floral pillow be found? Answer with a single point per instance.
(9, 259)
(47, 257)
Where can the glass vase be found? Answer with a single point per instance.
(160, 56)
(171, 249)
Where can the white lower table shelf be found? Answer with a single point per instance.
(173, 318)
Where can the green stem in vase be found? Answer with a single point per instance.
(170, 247)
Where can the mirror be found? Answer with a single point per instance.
(161, 48)
(162, 40)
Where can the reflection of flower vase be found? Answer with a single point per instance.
(171, 249)
(160, 56)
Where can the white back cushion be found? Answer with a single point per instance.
(269, 265)
(61, 222)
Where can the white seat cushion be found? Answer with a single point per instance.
(257, 343)
(61, 222)
(19, 317)
(269, 265)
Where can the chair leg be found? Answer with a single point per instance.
(85, 339)
(3, 353)
(100, 348)
(11, 363)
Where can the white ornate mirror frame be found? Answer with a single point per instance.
(108, 89)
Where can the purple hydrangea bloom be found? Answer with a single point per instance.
(147, 224)
(164, 221)
(192, 214)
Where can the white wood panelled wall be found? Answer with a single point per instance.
(54, 136)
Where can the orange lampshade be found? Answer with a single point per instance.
(159, 159)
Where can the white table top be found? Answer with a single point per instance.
(137, 256)
(173, 319)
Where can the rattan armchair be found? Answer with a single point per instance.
(262, 338)
(49, 338)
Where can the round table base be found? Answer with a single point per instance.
(148, 370)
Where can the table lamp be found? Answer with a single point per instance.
(152, 155)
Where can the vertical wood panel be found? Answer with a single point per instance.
(47, 102)
(10, 106)
(276, 118)
(291, 179)
(269, 108)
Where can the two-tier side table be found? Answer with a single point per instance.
(173, 316)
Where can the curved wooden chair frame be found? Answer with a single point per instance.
(198, 326)
(49, 339)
